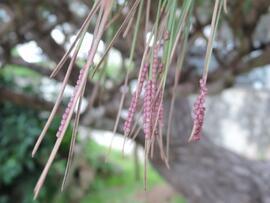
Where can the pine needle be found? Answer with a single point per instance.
(132, 10)
(214, 24)
(79, 35)
(106, 7)
(73, 140)
(179, 66)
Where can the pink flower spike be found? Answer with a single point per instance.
(142, 78)
(134, 101)
(198, 113)
(131, 112)
(147, 111)
(70, 103)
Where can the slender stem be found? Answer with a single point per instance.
(73, 140)
(81, 32)
(155, 38)
(176, 81)
(148, 5)
(215, 18)
(132, 10)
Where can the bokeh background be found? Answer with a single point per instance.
(230, 163)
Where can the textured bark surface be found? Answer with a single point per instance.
(206, 173)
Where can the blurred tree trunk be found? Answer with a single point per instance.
(206, 173)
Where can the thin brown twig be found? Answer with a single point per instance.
(78, 36)
(73, 140)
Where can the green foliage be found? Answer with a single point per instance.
(19, 128)
(11, 70)
(10, 73)
(14, 140)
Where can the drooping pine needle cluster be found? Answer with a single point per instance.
(168, 34)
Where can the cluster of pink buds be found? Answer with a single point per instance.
(153, 112)
(70, 103)
(131, 112)
(157, 100)
(152, 103)
(134, 100)
(147, 109)
(156, 69)
(155, 66)
(198, 112)
(141, 80)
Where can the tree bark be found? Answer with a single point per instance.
(206, 173)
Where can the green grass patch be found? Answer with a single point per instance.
(120, 186)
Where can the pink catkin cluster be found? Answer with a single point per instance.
(147, 110)
(70, 103)
(134, 101)
(199, 112)
(131, 112)
(155, 66)
(157, 96)
(142, 79)
(153, 108)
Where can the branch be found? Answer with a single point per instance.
(22, 99)
(253, 62)
(46, 72)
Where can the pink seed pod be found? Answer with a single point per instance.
(63, 121)
(147, 110)
(134, 101)
(155, 66)
(131, 112)
(142, 78)
(70, 103)
(199, 112)
(153, 91)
